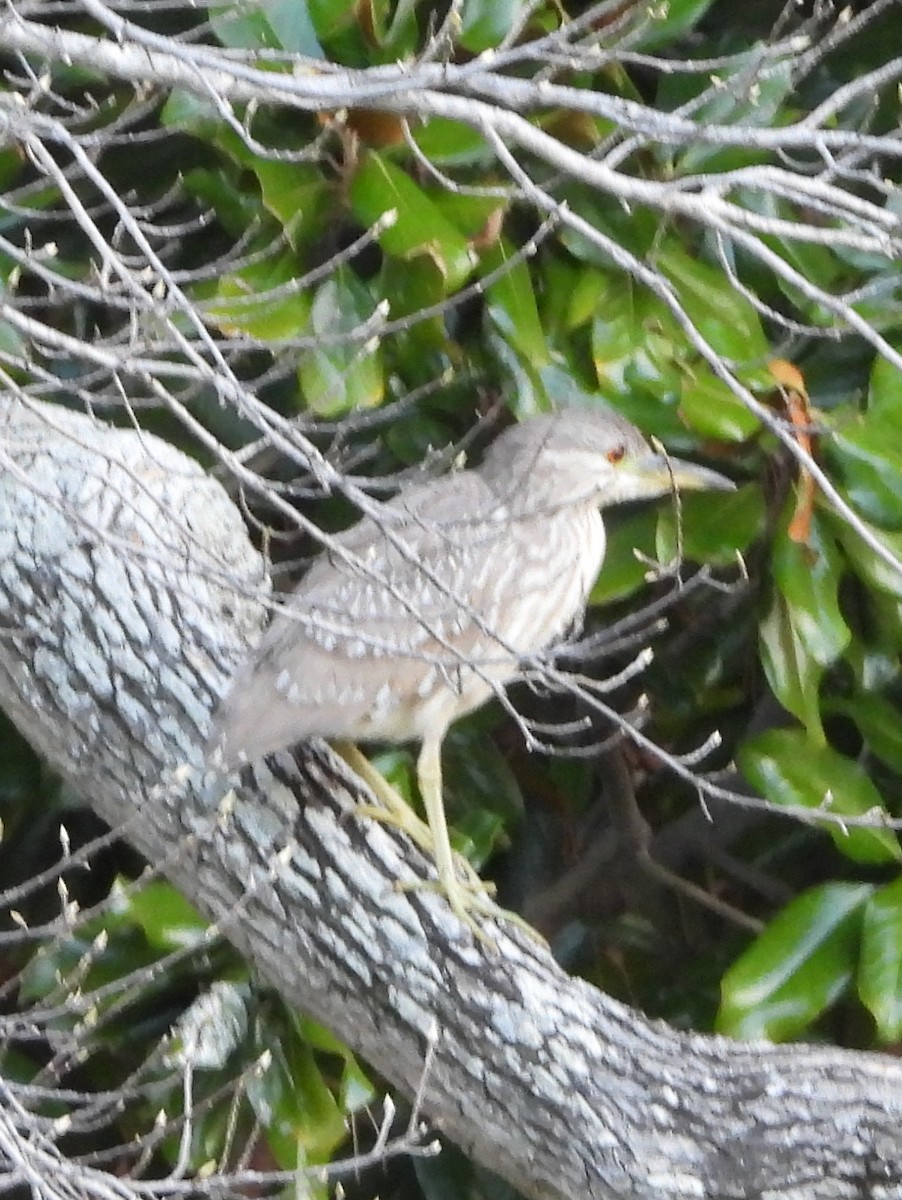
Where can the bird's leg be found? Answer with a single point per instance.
(473, 896)
(467, 896)
(395, 810)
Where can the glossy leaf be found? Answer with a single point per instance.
(623, 571)
(713, 527)
(885, 392)
(873, 567)
(879, 722)
(356, 1087)
(260, 300)
(479, 218)
(579, 297)
(291, 1099)
(632, 342)
(419, 227)
(168, 921)
(292, 24)
(338, 377)
(880, 967)
(217, 189)
(711, 409)
(723, 316)
(791, 769)
(793, 674)
(450, 143)
(869, 456)
(267, 25)
(331, 17)
(804, 631)
(809, 577)
(485, 23)
(661, 23)
(512, 306)
(798, 967)
(297, 195)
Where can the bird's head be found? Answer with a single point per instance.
(587, 453)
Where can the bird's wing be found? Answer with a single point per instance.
(414, 562)
(397, 610)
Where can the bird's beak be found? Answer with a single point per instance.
(661, 474)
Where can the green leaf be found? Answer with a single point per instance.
(165, 916)
(716, 527)
(292, 25)
(343, 376)
(450, 143)
(191, 113)
(260, 300)
(471, 214)
(485, 23)
(332, 17)
(808, 577)
(419, 227)
(797, 968)
(297, 195)
(267, 25)
(356, 1088)
(633, 342)
(708, 405)
(880, 724)
(512, 306)
(790, 769)
(723, 316)
(804, 632)
(880, 966)
(662, 23)
(623, 573)
(869, 457)
(885, 392)
(793, 674)
(234, 208)
(870, 565)
(581, 291)
(292, 1101)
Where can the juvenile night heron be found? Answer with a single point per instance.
(417, 617)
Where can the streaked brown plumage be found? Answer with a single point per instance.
(417, 617)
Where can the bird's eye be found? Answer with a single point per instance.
(615, 455)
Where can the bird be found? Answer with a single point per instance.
(431, 603)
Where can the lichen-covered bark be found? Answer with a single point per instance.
(128, 592)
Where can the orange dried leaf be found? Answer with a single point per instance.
(791, 382)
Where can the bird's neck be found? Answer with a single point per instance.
(532, 495)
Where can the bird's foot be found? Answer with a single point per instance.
(404, 818)
(470, 901)
(469, 897)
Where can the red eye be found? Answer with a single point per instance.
(615, 455)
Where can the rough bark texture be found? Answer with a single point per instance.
(129, 592)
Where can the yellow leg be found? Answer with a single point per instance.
(474, 896)
(396, 810)
(467, 896)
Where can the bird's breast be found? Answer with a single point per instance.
(552, 575)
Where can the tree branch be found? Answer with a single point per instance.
(112, 664)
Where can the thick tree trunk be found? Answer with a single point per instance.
(128, 593)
